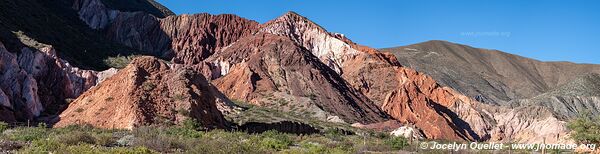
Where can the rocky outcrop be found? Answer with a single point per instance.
(57, 80)
(94, 13)
(324, 45)
(99, 15)
(409, 132)
(146, 92)
(35, 81)
(186, 39)
(271, 70)
(19, 89)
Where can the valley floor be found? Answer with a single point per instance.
(185, 139)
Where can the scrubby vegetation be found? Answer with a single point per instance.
(119, 61)
(156, 139)
(585, 129)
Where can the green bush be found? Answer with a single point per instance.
(119, 61)
(3, 126)
(585, 129)
(43, 146)
(191, 124)
(397, 143)
(105, 139)
(76, 138)
(27, 134)
(274, 140)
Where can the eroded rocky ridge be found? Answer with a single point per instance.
(267, 69)
(412, 97)
(186, 39)
(147, 91)
(36, 81)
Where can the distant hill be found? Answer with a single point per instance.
(580, 96)
(488, 75)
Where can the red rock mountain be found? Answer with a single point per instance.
(266, 67)
(293, 64)
(147, 92)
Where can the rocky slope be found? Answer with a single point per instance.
(147, 91)
(37, 81)
(267, 69)
(576, 98)
(488, 75)
(415, 98)
(186, 39)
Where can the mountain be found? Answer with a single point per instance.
(289, 65)
(147, 92)
(279, 64)
(578, 97)
(267, 69)
(489, 76)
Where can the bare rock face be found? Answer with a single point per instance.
(94, 13)
(57, 79)
(37, 80)
(267, 69)
(329, 49)
(146, 92)
(409, 132)
(99, 15)
(186, 39)
(19, 89)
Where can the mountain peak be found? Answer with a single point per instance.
(296, 19)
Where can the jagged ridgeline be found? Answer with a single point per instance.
(38, 23)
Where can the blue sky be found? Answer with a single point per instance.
(548, 30)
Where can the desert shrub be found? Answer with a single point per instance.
(241, 144)
(43, 146)
(275, 144)
(105, 139)
(79, 110)
(76, 138)
(184, 132)
(397, 143)
(274, 140)
(3, 126)
(191, 124)
(316, 148)
(119, 61)
(154, 138)
(27, 133)
(148, 86)
(134, 150)
(585, 129)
